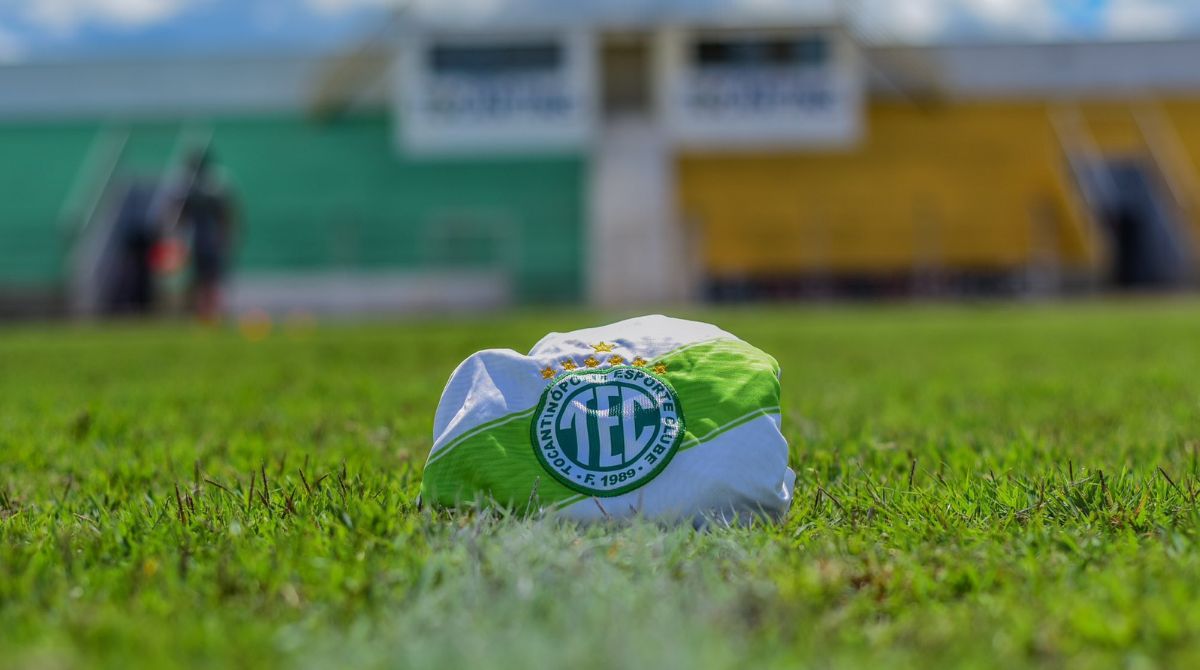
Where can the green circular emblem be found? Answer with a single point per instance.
(607, 432)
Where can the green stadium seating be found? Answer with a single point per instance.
(314, 196)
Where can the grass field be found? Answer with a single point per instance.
(998, 486)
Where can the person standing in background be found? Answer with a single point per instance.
(130, 286)
(206, 211)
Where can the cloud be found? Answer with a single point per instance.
(12, 47)
(931, 20)
(911, 20)
(67, 16)
(32, 27)
(1151, 18)
(1033, 18)
(336, 7)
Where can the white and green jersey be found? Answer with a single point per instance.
(653, 416)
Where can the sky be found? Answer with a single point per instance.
(69, 29)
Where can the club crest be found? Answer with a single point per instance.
(606, 432)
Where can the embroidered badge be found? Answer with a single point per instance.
(607, 432)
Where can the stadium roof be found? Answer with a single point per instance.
(260, 83)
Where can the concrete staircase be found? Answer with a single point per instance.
(638, 251)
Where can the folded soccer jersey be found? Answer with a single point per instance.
(664, 418)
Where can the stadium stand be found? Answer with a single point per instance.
(618, 154)
(316, 197)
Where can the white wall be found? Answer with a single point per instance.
(839, 81)
(286, 82)
(161, 87)
(423, 130)
(1083, 69)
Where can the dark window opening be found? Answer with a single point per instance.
(626, 82)
(495, 59)
(751, 52)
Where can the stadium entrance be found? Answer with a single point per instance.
(627, 78)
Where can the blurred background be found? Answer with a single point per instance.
(325, 157)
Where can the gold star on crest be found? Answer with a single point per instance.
(661, 368)
(638, 362)
(569, 364)
(603, 348)
(548, 373)
(616, 360)
(591, 362)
